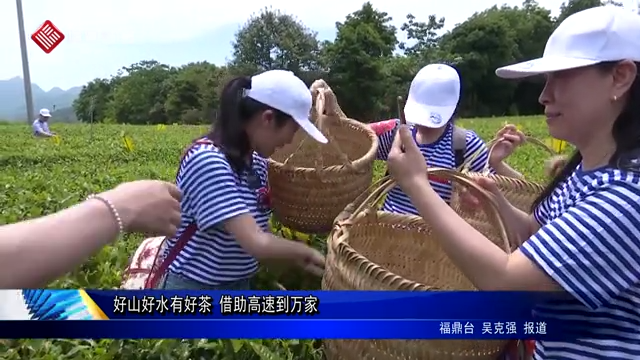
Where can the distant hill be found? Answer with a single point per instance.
(12, 102)
(65, 115)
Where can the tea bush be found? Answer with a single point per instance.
(41, 176)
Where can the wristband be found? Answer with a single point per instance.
(112, 209)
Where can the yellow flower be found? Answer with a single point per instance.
(128, 143)
(557, 145)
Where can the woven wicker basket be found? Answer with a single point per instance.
(375, 250)
(520, 193)
(312, 183)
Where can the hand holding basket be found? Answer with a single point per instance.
(519, 192)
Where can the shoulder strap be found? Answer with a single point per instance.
(184, 238)
(153, 278)
(459, 145)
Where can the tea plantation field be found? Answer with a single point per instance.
(41, 176)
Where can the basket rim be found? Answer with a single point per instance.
(344, 250)
(363, 208)
(361, 163)
(516, 183)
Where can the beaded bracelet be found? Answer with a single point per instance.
(112, 208)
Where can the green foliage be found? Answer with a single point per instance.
(423, 34)
(363, 45)
(574, 6)
(41, 177)
(94, 98)
(140, 99)
(274, 40)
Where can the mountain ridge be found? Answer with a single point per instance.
(12, 99)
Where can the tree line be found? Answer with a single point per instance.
(366, 64)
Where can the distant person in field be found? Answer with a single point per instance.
(41, 124)
(433, 98)
(223, 178)
(583, 236)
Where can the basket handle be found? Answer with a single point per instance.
(527, 140)
(335, 107)
(367, 201)
(325, 102)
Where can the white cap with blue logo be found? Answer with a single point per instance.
(433, 96)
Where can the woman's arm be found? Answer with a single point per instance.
(579, 251)
(263, 245)
(591, 250)
(504, 169)
(477, 154)
(35, 252)
(519, 224)
(485, 264)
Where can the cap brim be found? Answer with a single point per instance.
(429, 116)
(542, 66)
(311, 129)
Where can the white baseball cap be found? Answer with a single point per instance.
(284, 91)
(45, 113)
(588, 37)
(433, 96)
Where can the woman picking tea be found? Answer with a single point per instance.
(584, 234)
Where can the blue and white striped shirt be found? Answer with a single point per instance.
(211, 194)
(589, 243)
(438, 154)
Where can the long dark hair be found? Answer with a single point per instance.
(626, 134)
(228, 131)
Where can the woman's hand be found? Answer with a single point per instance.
(147, 206)
(554, 165)
(312, 262)
(405, 162)
(509, 138)
(470, 197)
(520, 225)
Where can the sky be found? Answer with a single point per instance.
(101, 36)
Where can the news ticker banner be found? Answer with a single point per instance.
(281, 314)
